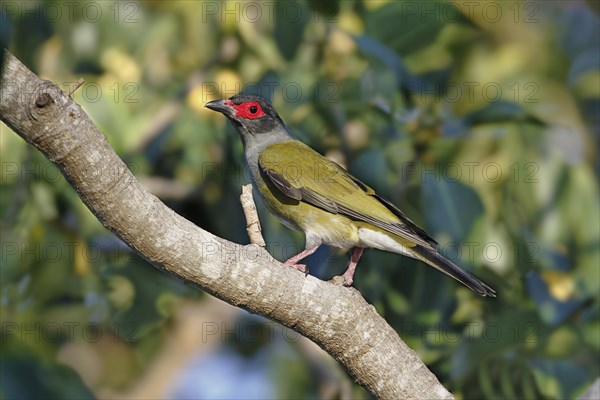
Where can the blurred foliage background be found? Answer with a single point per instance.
(479, 119)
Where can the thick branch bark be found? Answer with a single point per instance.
(335, 317)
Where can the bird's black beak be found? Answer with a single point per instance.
(221, 106)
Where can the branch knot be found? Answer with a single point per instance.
(43, 100)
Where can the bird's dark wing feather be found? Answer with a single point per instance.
(282, 184)
(405, 219)
(395, 210)
(446, 266)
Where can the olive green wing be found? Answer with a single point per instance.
(302, 174)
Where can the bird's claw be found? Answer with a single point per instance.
(347, 280)
(300, 267)
(342, 280)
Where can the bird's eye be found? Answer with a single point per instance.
(249, 110)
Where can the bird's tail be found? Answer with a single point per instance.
(441, 263)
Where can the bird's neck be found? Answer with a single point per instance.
(255, 145)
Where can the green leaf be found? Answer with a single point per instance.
(385, 55)
(291, 19)
(407, 26)
(559, 379)
(327, 8)
(450, 207)
(24, 376)
(499, 112)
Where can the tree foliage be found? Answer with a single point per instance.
(480, 121)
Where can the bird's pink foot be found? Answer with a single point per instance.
(348, 277)
(300, 267)
(293, 261)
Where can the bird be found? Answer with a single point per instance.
(312, 194)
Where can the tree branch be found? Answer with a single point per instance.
(335, 317)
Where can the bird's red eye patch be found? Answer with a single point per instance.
(248, 110)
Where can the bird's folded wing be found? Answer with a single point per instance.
(302, 174)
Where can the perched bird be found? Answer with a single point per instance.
(313, 194)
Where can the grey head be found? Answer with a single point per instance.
(254, 118)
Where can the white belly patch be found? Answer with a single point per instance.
(381, 241)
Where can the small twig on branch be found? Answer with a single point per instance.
(75, 86)
(252, 222)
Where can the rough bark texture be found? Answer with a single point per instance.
(335, 317)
